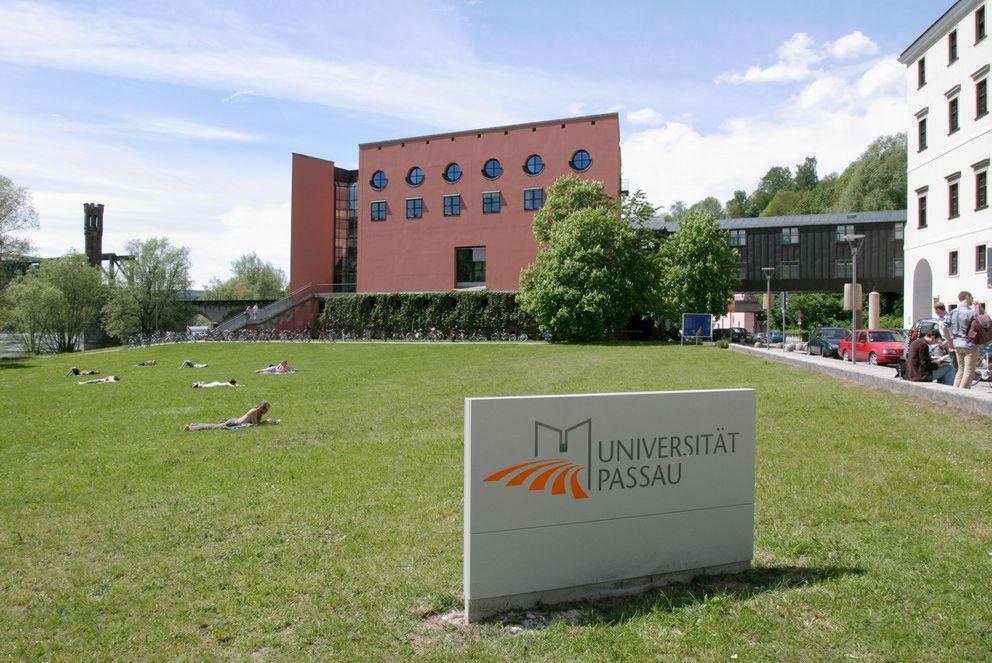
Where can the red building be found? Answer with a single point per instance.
(441, 212)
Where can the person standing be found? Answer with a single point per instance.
(966, 351)
(943, 326)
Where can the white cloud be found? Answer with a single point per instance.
(645, 116)
(833, 118)
(798, 55)
(179, 128)
(851, 46)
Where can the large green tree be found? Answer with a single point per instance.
(252, 279)
(55, 303)
(876, 180)
(699, 268)
(145, 297)
(596, 267)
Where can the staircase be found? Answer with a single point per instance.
(299, 296)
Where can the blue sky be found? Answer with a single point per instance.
(182, 117)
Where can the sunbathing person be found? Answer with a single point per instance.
(147, 362)
(76, 371)
(189, 364)
(109, 378)
(252, 417)
(277, 369)
(208, 385)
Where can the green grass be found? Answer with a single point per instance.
(335, 534)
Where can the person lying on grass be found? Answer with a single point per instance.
(189, 364)
(76, 371)
(208, 385)
(147, 362)
(277, 369)
(252, 417)
(109, 378)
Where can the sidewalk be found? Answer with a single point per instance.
(977, 399)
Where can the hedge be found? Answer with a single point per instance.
(480, 311)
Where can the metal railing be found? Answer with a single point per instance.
(295, 298)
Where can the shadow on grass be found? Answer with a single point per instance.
(12, 362)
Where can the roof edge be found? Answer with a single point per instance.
(954, 14)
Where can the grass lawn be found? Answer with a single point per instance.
(335, 534)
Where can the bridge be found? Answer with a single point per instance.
(219, 310)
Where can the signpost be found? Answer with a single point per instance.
(697, 326)
(583, 496)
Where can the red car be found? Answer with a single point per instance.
(878, 346)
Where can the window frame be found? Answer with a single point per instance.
(981, 29)
(981, 97)
(487, 200)
(953, 115)
(473, 282)
(737, 237)
(981, 171)
(952, 263)
(843, 268)
(921, 72)
(447, 169)
(497, 169)
(981, 258)
(539, 166)
(418, 208)
(588, 159)
(921, 207)
(898, 231)
(952, 47)
(375, 176)
(415, 171)
(843, 229)
(790, 269)
(529, 204)
(921, 133)
(953, 197)
(899, 270)
(378, 205)
(449, 209)
(789, 236)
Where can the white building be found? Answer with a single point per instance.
(949, 223)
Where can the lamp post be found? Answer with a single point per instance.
(855, 243)
(768, 308)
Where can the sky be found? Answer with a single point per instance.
(181, 117)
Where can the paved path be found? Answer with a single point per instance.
(977, 399)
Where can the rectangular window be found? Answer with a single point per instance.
(898, 231)
(470, 266)
(738, 238)
(980, 254)
(453, 205)
(921, 134)
(790, 235)
(490, 202)
(414, 208)
(843, 229)
(980, 24)
(952, 116)
(741, 271)
(897, 267)
(952, 263)
(790, 270)
(378, 210)
(921, 73)
(953, 209)
(921, 206)
(842, 269)
(952, 47)
(533, 199)
(981, 98)
(981, 190)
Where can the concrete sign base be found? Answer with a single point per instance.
(583, 496)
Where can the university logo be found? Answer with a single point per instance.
(554, 473)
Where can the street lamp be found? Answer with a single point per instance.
(855, 243)
(768, 307)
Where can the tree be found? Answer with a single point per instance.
(699, 268)
(876, 180)
(596, 265)
(775, 180)
(16, 214)
(737, 206)
(709, 206)
(783, 203)
(145, 298)
(676, 211)
(806, 177)
(252, 279)
(54, 304)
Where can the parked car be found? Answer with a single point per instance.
(776, 337)
(877, 346)
(825, 341)
(734, 335)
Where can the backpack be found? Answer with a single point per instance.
(980, 329)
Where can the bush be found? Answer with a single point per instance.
(723, 343)
(481, 311)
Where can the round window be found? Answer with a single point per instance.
(534, 164)
(492, 169)
(415, 177)
(580, 160)
(378, 180)
(453, 172)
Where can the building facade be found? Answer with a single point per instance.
(441, 212)
(949, 224)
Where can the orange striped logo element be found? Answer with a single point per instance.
(537, 475)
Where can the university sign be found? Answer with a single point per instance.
(569, 497)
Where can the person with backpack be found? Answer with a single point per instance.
(964, 347)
